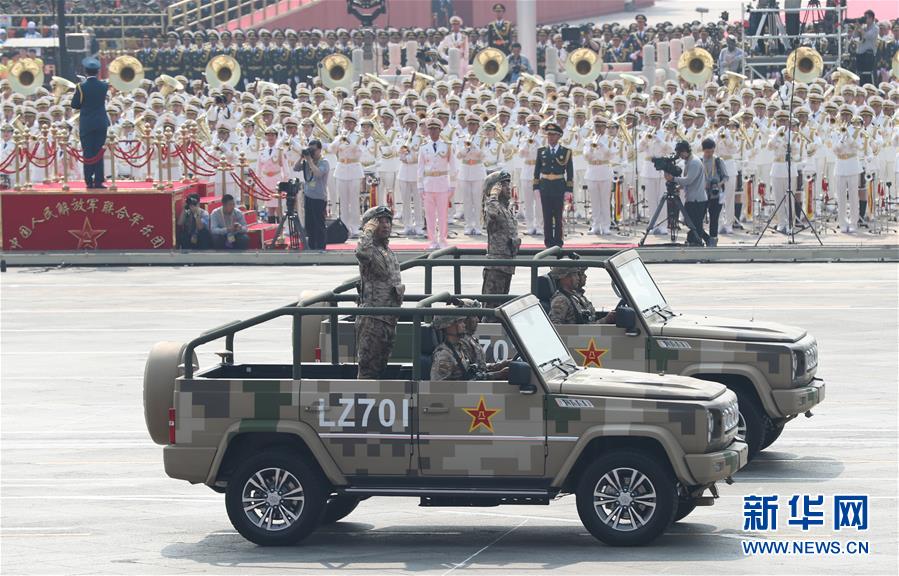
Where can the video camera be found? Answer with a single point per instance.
(667, 164)
(290, 188)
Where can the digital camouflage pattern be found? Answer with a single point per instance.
(449, 361)
(502, 233)
(376, 339)
(570, 308)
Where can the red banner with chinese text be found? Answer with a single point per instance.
(87, 220)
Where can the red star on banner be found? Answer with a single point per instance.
(481, 416)
(87, 236)
(592, 355)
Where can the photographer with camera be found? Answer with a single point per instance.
(716, 177)
(193, 226)
(866, 49)
(228, 226)
(315, 170)
(693, 183)
(517, 64)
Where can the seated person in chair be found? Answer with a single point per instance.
(569, 305)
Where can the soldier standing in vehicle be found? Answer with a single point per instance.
(381, 287)
(502, 232)
(569, 305)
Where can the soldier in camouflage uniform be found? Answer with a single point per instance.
(569, 305)
(381, 287)
(502, 232)
(449, 361)
(472, 346)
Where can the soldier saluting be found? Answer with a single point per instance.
(502, 232)
(381, 287)
(553, 178)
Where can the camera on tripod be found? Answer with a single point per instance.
(667, 164)
(290, 188)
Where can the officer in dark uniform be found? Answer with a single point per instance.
(90, 99)
(172, 58)
(268, 55)
(553, 178)
(148, 56)
(243, 54)
(202, 54)
(499, 32)
(255, 57)
(279, 56)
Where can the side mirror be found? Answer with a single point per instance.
(520, 374)
(626, 317)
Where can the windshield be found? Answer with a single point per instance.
(539, 338)
(641, 286)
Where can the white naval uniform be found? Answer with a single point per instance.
(597, 153)
(529, 198)
(388, 165)
(653, 145)
(435, 164)
(349, 175)
(410, 201)
(470, 181)
(779, 177)
(846, 170)
(727, 146)
(271, 168)
(225, 151)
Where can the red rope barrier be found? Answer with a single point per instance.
(249, 190)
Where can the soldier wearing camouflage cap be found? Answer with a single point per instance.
(569, 305)
(449, 362)
(502, 232)
(381, 286)
(471, 345)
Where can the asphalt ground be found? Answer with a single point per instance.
(83, 491)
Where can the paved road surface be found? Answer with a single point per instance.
(83, 488)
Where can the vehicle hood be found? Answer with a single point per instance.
(717, 328)
(626, 384)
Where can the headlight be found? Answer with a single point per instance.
(811, 357)
(711, 425)
(798, 363)
(730, 417)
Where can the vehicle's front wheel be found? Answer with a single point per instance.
(275, 499)
(626, 498)
(338, 508)
(685, 507)
(752, 424)
(773, 433)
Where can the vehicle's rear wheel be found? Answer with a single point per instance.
(338, 508)
(773, 433)
(275, 499)
(752, 424)
(626, 498)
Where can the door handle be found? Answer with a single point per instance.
(317, 408)
(436, 409)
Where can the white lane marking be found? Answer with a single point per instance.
(136, 498)
(501, 536)
(46, 535)
(69, 432)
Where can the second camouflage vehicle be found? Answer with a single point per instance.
(296, 445)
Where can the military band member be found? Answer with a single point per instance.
(597, 152)
(271, 168)
(553, 177)
(349, 173)
(435, 163)
(458, 40)
(502, 232)
(529, 144)
(410, 200)
(381, 287)
(470, 154)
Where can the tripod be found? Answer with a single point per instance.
(790, 196)
(295, 230)
(674, 206)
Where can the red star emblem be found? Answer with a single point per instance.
(87, 236)
(481, 416)
(592, 355)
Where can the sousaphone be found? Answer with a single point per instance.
(695, 66)
(26, 76)
(490, 66)
(583, 66)
(126, 73)
(222, 70)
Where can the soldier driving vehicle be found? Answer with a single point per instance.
(771, 367)
(296, 445)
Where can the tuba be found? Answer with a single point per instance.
(126, 73)
(805, 64)
(631, 82)
(894, 68)
(695, 66)
(222, 70)
(490, 66)
(734, 81)
(336, 71)
(421, 81)
(842, 77)
(529, 81)
(321, 127)
(26, 76)
(583, 66)
(169, 85)
(60, 86)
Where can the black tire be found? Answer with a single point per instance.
(339, 507)
(656, 519)
(685, 507)
(754, 419)
(773, 433)
(282, 530)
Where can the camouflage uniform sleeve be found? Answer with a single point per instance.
(492, 210)
(365, 248)
(443, 365)
(560, 311)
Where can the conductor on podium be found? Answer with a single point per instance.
(90, 99)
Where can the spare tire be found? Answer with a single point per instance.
(164, 366)
(310, 329)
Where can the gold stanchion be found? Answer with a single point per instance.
(43, 140)
(56, 133)
(27, 142)
(64, 133)
(167, 135)
(243, 164)
(147, 133)
(195, 144)
(111, 145)
(159, 142)
(17, 140)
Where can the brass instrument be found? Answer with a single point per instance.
(336, 71)
(807, 64)
(734, 81)
(631, 82)
(223, 70)
(260, 127)
(695, 66)
(623, 130)
(528, 82)
(583, 66)
(126, 73)
(60, 86)
(490, 66)
(894, 68)
(26, 76)
(369, 77)
(420, 81)
(842, 77)
(169, 85)
(203, 127)
(320, 126)
(378, 132)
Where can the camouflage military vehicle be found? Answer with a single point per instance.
(297, 445)
(771, 367)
